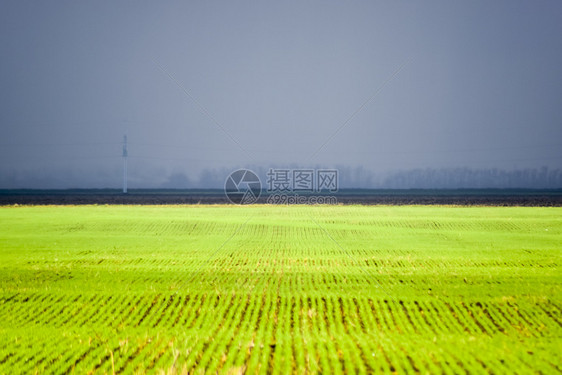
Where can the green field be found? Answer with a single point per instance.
(279, 289)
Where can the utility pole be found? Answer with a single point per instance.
(125, 154)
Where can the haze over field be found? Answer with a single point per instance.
(373, 88)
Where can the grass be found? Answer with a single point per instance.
(277, 289)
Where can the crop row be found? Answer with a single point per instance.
(234, 330)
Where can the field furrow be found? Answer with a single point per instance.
(303, 289)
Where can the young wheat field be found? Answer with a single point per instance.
(280, 289)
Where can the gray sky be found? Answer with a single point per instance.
(452, 84)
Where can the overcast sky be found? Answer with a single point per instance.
(202, 84)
